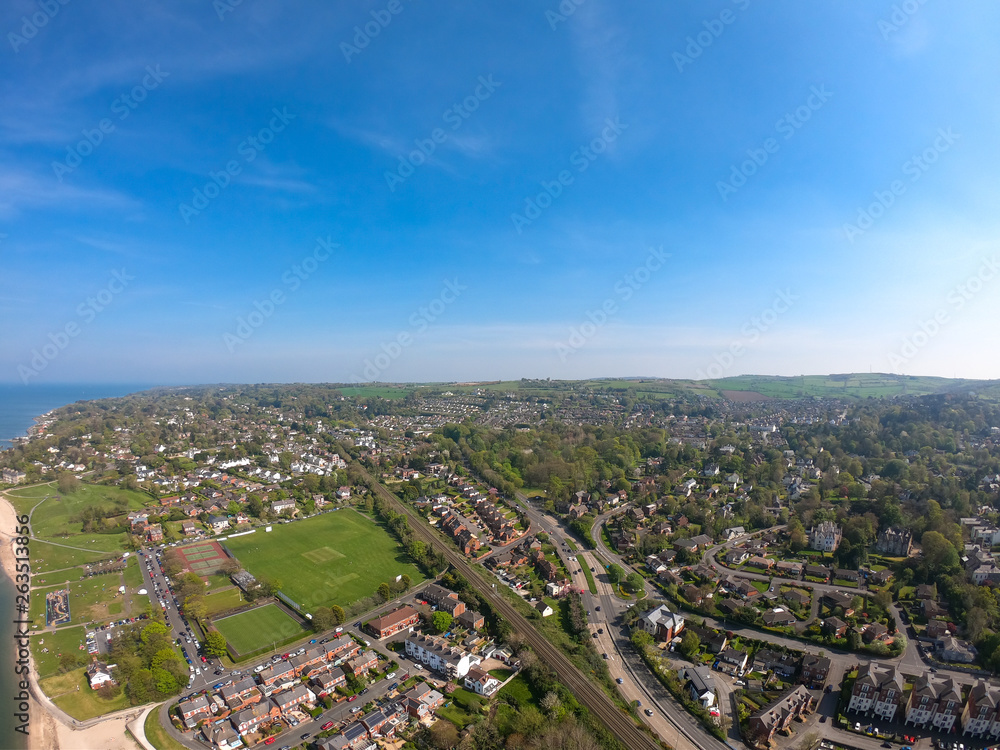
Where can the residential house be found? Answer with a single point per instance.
(818, 571)
(193, 710)
(981, 715)
(277, 676)
(247, 720)
(240, 694)
(877, 691)
(699, 683)
(825, 537)
(422, 700)
(778, 618)
(934, 703)
(733, 661)
(782, 663)
(736, 556)
(218, 524)
(778, 715)
(99, 674)
(835, 626)
(362, 663)
(396, 621)
(544, 609)
(223, 736)
(815, 670)
(328, 681)
(951, 649)
(471, 620)
(444, 599)
(281, 506)
(439, 655)
(481, 682)
(894, 541)
(188, 528)
(661, 623)
(789, 569)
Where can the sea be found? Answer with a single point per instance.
(19, 404)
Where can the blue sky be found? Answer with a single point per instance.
(739, 140)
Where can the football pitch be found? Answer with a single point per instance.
(333, 558)
(258, 628)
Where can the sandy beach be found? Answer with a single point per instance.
(47, 733)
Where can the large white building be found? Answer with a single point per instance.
(440, 655)
(825, 537)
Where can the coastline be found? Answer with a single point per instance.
(46, 731)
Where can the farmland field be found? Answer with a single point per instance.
(333, 558)
(258, 628)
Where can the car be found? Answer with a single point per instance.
(237, 671)
(364, 690)
(601, 631)
(597, 609)
(604, 655)
(390, 675)
(312, 641)
(355, 710)
(203, 660)
(619, 680)
(933, 669)
(352, 698)
(595, 635)
(740, 683)
(339, 630)
(259, 668)
(328, 725)
(638, 703)
(357, 624)
(197, 670)
(304, 736)
(217, 686)
(593, 569)
(300, 652)
(649, 712)
(828, 689)
(269, 741)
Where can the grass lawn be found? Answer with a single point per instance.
(64, 640)
(223, 600)
(333, 558)
(258, 628)
(89, 599)
(72, 693)
(591, 584)
(520, 690)
(463, 709)
(133, 574)
(157, 735)
(501, 674)
(46, 557)
(53, 520)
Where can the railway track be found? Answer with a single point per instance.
(621, 725)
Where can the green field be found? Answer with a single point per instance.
(64, 640)
(89, 599)
(46, 557)
(376, 391)
(54, 519)
(333, 558)
(258, 628)
(72, 693)
(221, 601)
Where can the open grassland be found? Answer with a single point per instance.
(377, 391)
(72, 693)
(56, 519)
(258, 628)
(47, 557)
(47, 648)
(90, 600)
(333, 558)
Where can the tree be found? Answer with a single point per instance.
(443, 734)
(634, 583)
(940, 555)
(406, 581)
(616, 574)
(68, 484)
(797, 539)
(690, 643)
(215, 643)
(384, 591)
(338, 614)
(322, 618)
(441, 621)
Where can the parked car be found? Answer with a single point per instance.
(649, 712)
(328, 725)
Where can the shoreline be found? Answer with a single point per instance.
(46, 731)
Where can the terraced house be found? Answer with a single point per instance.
(878, 691)
(439, 655)
(981, 715)
(778, 715)
(395, 622)
(934, 703)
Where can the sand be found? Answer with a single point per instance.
(46, 732)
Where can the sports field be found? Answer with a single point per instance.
(203, 558)
(333, 558)
(258, 628)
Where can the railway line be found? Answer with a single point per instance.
(621, 725)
